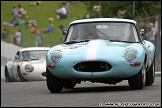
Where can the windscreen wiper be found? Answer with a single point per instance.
(71, 42)
(120, 41)
(76, 41)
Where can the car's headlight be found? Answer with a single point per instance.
(29, 68)
(56, 56)
(130, 54)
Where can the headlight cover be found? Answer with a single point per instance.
(130, 54)
(29, 68)
(56, 56)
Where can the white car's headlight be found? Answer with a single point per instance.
(56, 56)
(130, 54)
(29, 68)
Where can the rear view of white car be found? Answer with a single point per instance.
(29, 65)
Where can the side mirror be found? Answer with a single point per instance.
(64, 31)
(16, 57)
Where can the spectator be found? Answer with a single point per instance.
(20, 9)
(144, 27)
(147, 24)
(18, 36)
(156, 29)
(5, 32)
(38, 39)
(49, 29)
(33, 29)
(66, 5)
(62, 12)
(13, 22)
(14, 11)
(32, 22)
(150, 35)
(24, 14)
(86, 16)
(20, 21)
(35, 3)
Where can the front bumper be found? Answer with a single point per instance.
(114, 72)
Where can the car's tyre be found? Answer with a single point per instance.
(138, 81)
(150, 75)
(54, 84)
(20, 77)
(68, 84)
(7, 76)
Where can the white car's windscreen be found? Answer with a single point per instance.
(37, 54)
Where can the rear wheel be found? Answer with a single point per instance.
(54, 84)
(7, 76)
(150, 75)
(138, 81)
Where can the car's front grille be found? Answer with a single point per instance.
(93, 66)
(44, 74)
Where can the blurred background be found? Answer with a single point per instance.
(29, 19)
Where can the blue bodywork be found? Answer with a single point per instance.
(110, 52)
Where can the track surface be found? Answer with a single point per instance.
(86, 94)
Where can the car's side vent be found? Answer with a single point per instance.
(93, 66)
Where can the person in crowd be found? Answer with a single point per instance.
(5, 32)
(31, 22)
(38, 40)
(49, 29)
(147, 24)
(13, 22)
(66, 5)
(143, 27)
(20, 9)
(33, 29)
(14, 11)
(156, 28)
(18, 35)
(86, 16)
(62, 12)
(150, 35)
(35, 3)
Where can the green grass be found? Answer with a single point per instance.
(40, 13)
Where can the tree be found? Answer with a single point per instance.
(113, 8)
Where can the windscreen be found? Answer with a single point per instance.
(37, 54)
(109, 31)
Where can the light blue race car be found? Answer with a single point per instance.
(102, 50)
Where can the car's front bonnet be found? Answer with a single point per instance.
(95, 50)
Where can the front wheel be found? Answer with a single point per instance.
(150, 75)
(138, 81)
(54, 84)
(7, 76)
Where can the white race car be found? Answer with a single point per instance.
(29, 64)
